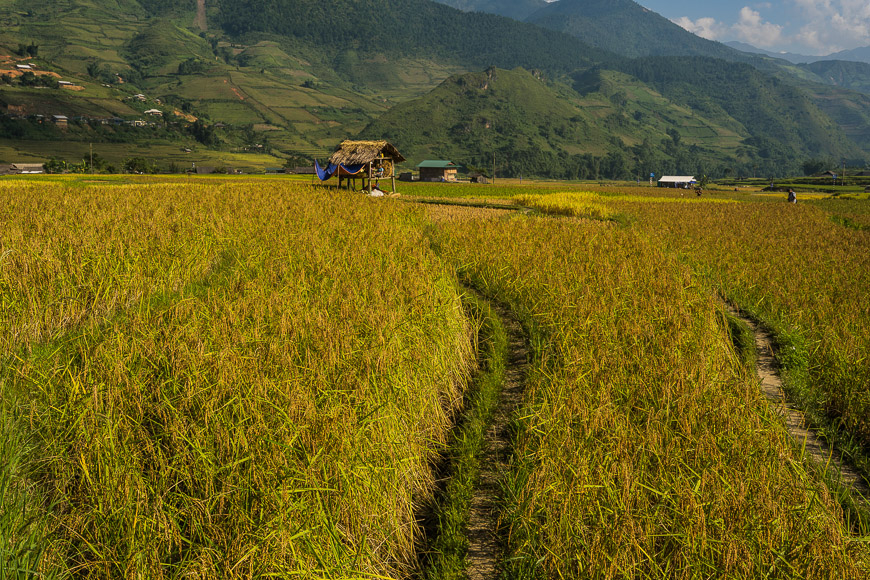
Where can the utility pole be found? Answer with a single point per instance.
(843, 179)
(92, 158)
(493, 167)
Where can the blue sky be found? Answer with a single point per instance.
(814, 27)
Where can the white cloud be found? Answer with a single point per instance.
(833, 25)
(750, 28)
(704, 27)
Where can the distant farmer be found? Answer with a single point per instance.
(792, 196)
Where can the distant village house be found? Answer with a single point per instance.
(679, 181)
(21, 169)
(437, 170)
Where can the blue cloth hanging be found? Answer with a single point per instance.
(324, 174)
(331, 169)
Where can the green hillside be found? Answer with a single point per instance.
(626, 28)
(516, 9)
(291, 78)
(161, 47)
(783, 120)
(615, 126)
(848, 109)
(417, 28)
(841, 73)
(302, 91)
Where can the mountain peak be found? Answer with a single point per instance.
(626, 28)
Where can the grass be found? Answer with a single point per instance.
(445, 553)
(22, 520)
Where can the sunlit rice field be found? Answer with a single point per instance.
(241, 377)
(219, 380)
(644, 448)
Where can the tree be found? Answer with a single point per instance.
(203, 133)
(28, 79)
(814, 166)
(55, 165)
(139, 165)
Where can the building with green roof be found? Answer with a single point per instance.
(437, 170)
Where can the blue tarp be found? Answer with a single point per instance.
(330, 170)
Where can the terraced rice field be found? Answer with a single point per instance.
(248, 378)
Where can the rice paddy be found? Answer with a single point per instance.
(246, 378)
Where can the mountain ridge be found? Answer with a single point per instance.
(296, 86)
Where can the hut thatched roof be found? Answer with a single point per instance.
(357, 152)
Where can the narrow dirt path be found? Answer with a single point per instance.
(767, 368)
(483, 534)
(200, 20)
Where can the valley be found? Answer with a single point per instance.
(287, 87)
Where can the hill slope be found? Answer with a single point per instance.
(516, 9)
(294, 77)
(616, 124)
(410, 28)
(772, 110)
(848, 74)
(626, 28)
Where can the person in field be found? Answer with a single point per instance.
(792, 196)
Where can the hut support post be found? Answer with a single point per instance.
(370, 177)
(393, 178)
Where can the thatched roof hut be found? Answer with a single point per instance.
(378, 158)
(358, 152)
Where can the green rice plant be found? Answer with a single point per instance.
(23, 524)
(445, 553)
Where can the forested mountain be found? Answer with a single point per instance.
(791, 57)
(781, 119)
(409, 28)
(294, 77)
(516, 9)
(848, 74)
(626, 28)
(860, 54)
(614, 124)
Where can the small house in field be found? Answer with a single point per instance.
(62, 121)
(27, 168)
(369, 161)
(437, 170)
(478, 178)
(154, 112)
(679, 181)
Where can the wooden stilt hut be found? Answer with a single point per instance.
(379, 159)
